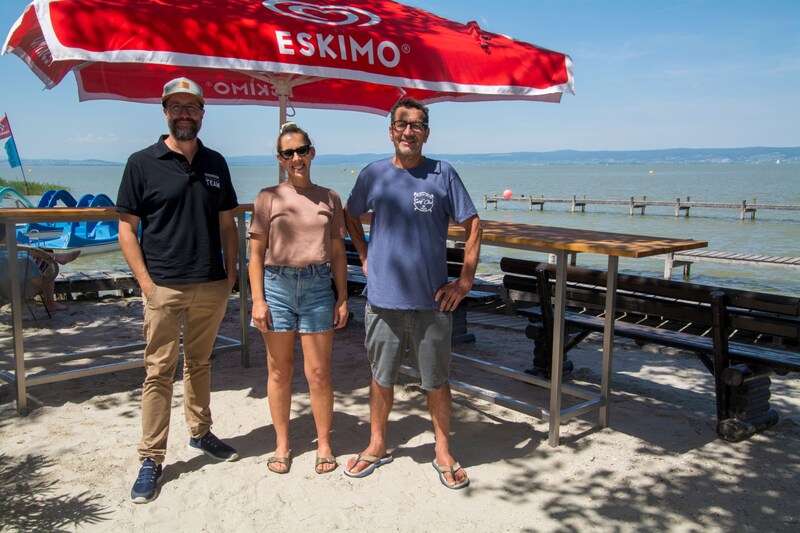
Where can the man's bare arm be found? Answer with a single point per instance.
(451, 294)
(132, 251)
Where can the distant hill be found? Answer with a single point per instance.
(67, 163)
(755, 155)
(576, 157)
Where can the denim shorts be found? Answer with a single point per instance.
(299, 298)
(423, 335)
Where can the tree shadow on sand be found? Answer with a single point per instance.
(28, 501)
(636, 481)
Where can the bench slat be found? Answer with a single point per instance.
(739, 352)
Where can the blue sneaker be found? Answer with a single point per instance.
(210, 445)
(146, 487)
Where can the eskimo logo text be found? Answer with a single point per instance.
(331, 15)
(212, 180)
(345, 48)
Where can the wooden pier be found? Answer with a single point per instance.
(685, 260)
(639, 205)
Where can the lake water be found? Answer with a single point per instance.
(772, 233)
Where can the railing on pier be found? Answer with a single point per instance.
(634, 204)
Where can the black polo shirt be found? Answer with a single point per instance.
(179, 205)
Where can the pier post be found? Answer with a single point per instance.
(576, 203)
(485, 201)
(677, 213)
(630, 209)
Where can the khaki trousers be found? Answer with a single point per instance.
(200, 307)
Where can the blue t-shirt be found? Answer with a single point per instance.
(411, 209)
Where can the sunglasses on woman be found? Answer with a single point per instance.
(300, 150)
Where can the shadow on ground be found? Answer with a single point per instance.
(28, 501)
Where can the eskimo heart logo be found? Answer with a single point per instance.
(331, 15)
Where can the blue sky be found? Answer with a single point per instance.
(648, 75)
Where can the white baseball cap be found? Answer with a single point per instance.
(182, 85)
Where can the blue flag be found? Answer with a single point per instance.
(13, 155)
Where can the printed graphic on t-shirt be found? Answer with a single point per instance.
(212, 180)
(423, 201)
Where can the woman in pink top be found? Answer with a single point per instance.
(296, 246)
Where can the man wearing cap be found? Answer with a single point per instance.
(185, 263)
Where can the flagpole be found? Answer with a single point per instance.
(21, 166)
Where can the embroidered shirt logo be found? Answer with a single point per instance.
(212, 180)
(423, 201)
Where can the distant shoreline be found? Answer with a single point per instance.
(671, 156)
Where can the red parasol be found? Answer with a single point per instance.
(341, 54)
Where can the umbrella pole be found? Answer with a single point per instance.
(283, 99)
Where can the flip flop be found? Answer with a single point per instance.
(452, 470)
(324, 461)
(286, 461)
(374, 462)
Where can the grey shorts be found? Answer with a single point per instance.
(422, 334)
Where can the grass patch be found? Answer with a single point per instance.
(34, 187)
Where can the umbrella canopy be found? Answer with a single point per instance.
(357, 54)
(361, 55)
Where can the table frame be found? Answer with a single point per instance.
(562, 242)
(16, 374)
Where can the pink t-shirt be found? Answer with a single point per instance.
(299, 224)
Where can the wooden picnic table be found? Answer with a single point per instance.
(561, 242)
(13, 216)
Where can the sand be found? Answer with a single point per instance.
(70, 463)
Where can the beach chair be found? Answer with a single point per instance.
(36, 269)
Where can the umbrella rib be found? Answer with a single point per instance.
(282, 82)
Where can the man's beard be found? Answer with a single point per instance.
(184, 132)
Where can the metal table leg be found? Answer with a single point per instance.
(16, 318)
(558, 347)
(241, 225)
(608, 340)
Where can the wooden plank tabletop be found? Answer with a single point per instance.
(534, 237)
(15, 215)
(56, 214)
(507, 234)
(553, 238)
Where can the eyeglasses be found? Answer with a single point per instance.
(401, 125)
(177, 109)
(300, 150)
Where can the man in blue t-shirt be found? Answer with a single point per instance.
(409, 299)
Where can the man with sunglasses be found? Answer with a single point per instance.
(185, 263)
(409, 298)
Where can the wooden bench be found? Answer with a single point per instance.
(740, 336)
(356, 281)
(91, 282)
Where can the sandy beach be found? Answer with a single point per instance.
(70, 463)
